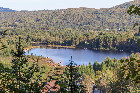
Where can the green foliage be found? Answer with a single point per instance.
(20, 78)
(2, 45)
(96, 66)
(71, 81)
(73, 27)
(87, 70)
(134, 10)
(103, 29)
(130, 71)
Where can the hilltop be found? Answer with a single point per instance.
(127, 4)
(77, 18)
(6, 10)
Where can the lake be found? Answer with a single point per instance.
(79, 56)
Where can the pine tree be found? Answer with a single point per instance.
(20, 78)
(72, 79)
(129, 74)
(90, 71)
(96, 66)
(2, 68)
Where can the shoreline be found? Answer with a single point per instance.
(59, 46)
(29, 48)
(74, 47)
(81, 47)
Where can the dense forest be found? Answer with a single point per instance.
(99, 29)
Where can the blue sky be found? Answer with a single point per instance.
(58, 4)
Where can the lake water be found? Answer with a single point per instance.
(79, 56)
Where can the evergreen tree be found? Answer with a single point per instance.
(1, 43)
(103, 67)
(72, 79)
(134, 10)
(21, 77)
(90, 71)
(129, 74)
(96, 66)
(2, 68)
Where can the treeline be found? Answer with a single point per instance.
(114, 75)
(112, 41)
(100, 40)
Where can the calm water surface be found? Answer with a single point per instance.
(79, 56)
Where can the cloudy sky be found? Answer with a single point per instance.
(58, 4)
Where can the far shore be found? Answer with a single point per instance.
(39, 45)
(54, 46)
(59, 46)
(71, 47)
(30, 47)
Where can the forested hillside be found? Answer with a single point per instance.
(100, 29)
(78, 18)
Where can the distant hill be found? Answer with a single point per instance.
(128, 4)
(114, 18)
(105, 28)
(6, 10)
